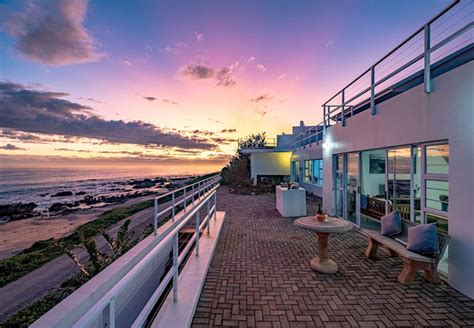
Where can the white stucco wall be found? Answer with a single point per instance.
(416, 117)
(312, 151)
(269, 163)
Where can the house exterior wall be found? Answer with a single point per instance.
(413, 117)
(269, 163)
(312, 151)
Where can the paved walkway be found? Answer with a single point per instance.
(260, 276)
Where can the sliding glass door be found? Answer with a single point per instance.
(352, 188)
(399, 179)
(339, 185)
(372, 187)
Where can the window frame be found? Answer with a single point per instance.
(319, 167)
(433, 177)
(308, 171)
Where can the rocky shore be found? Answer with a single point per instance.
(120, 192)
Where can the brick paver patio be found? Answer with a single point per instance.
(260, 276)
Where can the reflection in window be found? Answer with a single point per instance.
(295, 172)
(318, 172)
(437, 195)
(437, 159)
(441, 222)
(308, 171)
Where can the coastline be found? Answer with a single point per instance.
(18, 235)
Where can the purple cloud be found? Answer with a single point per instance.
(224, 77)
(52, 32)
(11, 147)
(33, 111)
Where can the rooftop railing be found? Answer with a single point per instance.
(269, 143)
(442, 36)
(189, 202)
(313, 134)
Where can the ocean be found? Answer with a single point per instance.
(38, 185)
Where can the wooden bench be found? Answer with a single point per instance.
(412, 262)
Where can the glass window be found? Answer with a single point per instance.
(318, 172)
(437, 195)
(437, 159)
(441, 222)
(296, 171)
(308, 171)
(339, 168)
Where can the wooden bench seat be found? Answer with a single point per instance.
(412, 262)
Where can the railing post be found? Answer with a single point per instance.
(324, 118)
(108, 314)
(185, 201)
(427, 59)
(197, 233)
(173, 212)
(208, 216)
(343, 119)
(215, 206)
(175, 268)
(372, 90)
(155, 216)
(192, 191)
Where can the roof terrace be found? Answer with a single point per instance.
(260, 276)
(443, 43)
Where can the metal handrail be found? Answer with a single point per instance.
(107, 302)
(454, 3)
(269, 143)
(307, 135)
(342, 108)
(174, 203)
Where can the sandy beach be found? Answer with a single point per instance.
(18, 235)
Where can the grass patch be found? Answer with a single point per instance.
(33, 312)
(44, 251)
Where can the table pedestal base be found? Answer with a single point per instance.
(323, 263)
(328, 266)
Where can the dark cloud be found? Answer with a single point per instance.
(167, 101)
(90, 99)
(225, 141)
(33, 111)
(11, 147)
(52, 32)
(224, 77)
(197, 72)
(203, 132)
(170, 101)
(264, 97)
(228, 130)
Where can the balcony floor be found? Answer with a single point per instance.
(260, 276)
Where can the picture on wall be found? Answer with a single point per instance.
(377, 164)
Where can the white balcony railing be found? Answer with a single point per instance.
(444, 35)
(267, 143)
(184, 207)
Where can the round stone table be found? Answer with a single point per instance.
(332, 225)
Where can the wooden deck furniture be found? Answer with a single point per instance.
(412, 262)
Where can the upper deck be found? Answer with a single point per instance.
(440, 45)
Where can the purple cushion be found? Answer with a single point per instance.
(391, 224)
(423, 238)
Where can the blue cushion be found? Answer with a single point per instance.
(423, 238)
(391, 224)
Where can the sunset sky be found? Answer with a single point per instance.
(177, 82)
